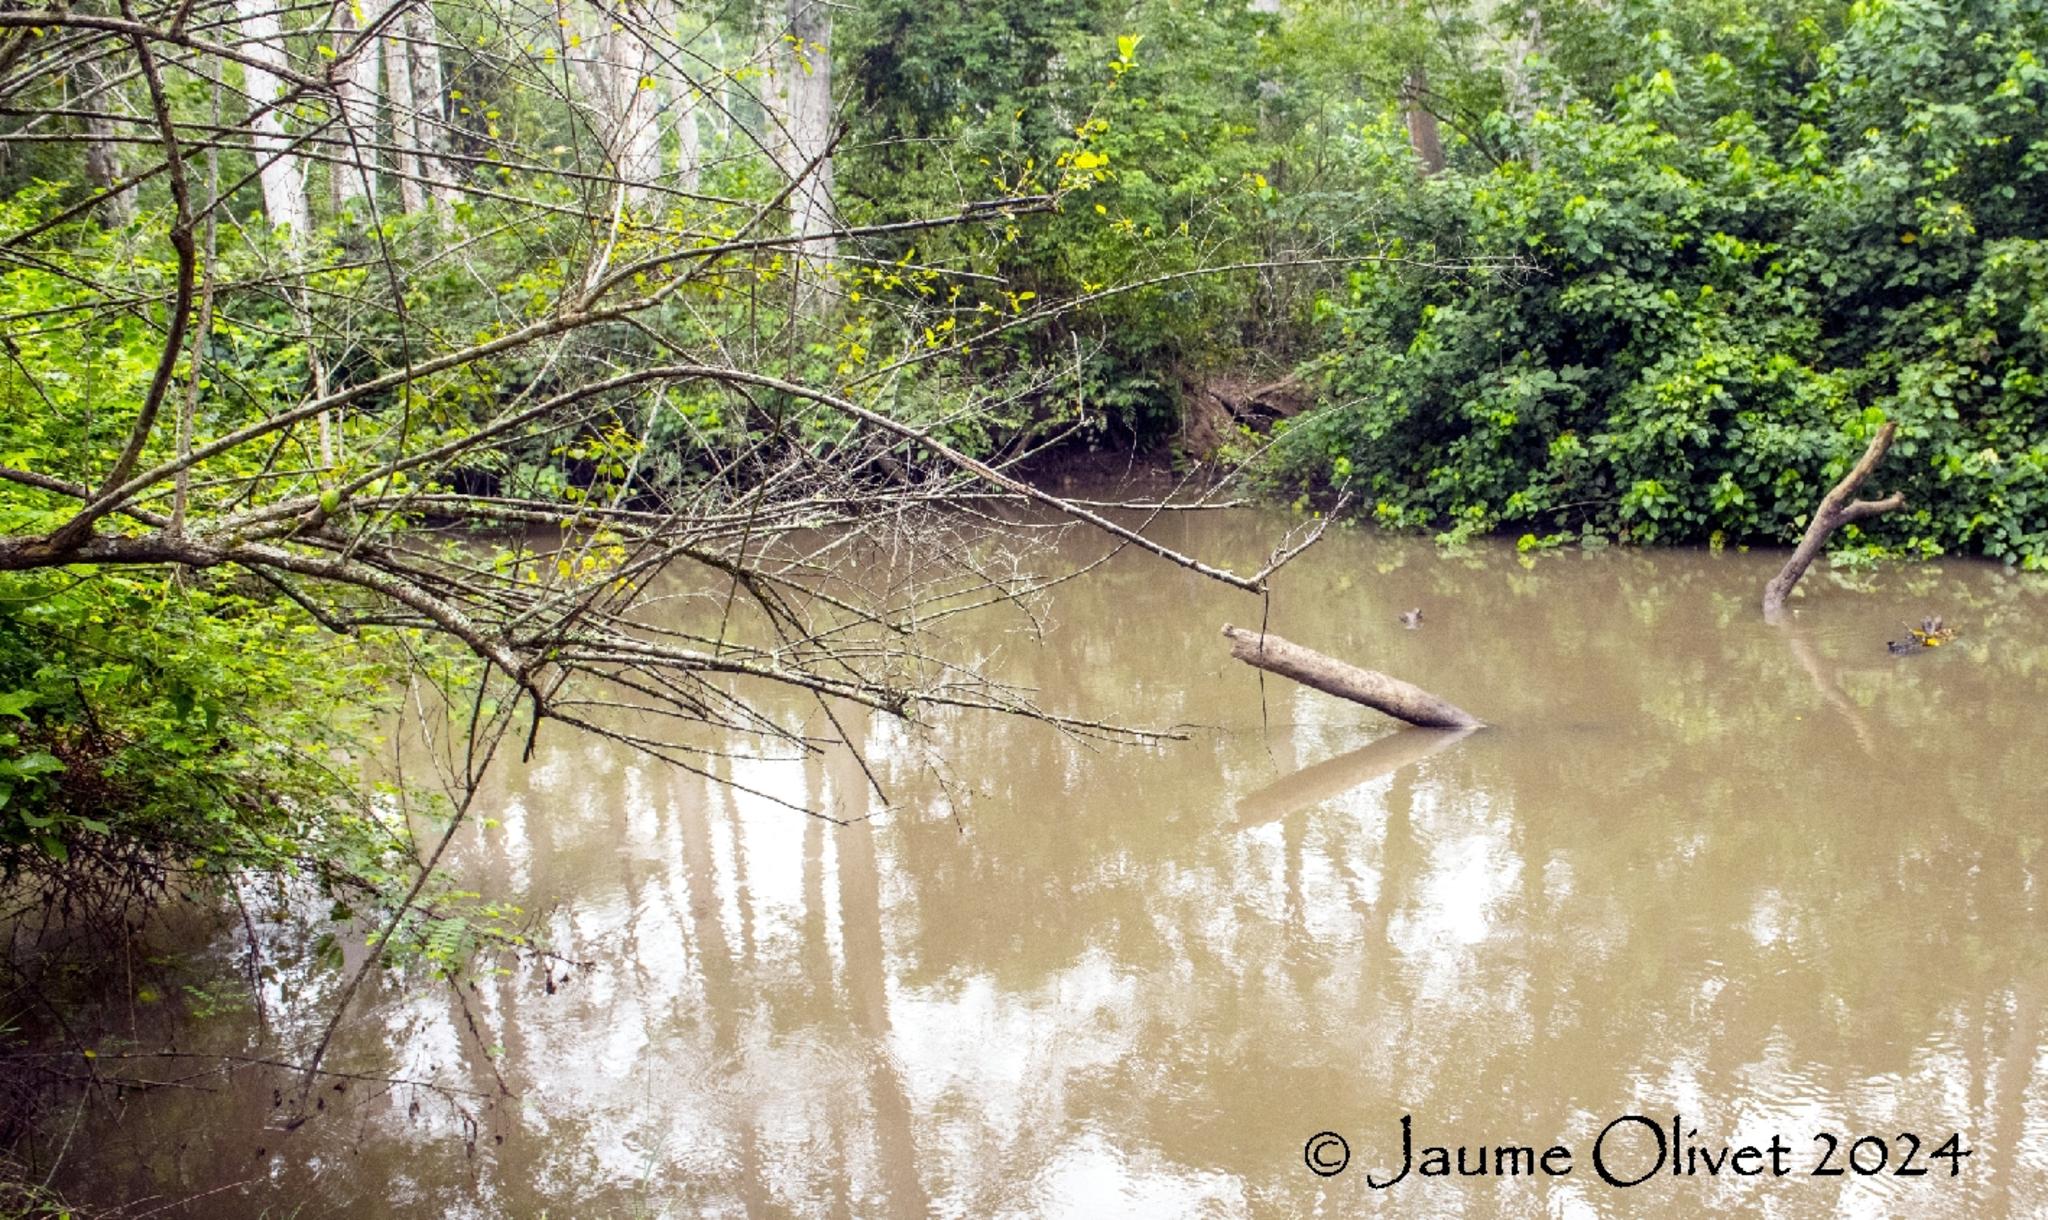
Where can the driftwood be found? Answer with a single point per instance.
(1401, 700)
(1836, 510)
(1315, 784)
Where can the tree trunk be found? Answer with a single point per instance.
(675, 102)
(281, 174)
(808, 81)
(773, 135)
(1836, 510)
(426, 94)
(1422, 129)
(355, 98)
(610, 73)
(1520, 85)
(1401, 700)
(732, 95)
(405, 126)
(635, 137)
(102, 152)
(685, 101)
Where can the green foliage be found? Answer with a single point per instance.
(1164, 120)
(166, 729)
(1766, 236)
(178, 718)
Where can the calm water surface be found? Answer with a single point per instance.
(1776, 881)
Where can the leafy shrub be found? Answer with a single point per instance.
(1766, 239)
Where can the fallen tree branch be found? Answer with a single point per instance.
(1401, 700)
(1836, 510)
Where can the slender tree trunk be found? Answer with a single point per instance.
(1521, 89)
(637, 136)
(678, 101)
(774, 91)
(429, 103)
(281, 174)
(689, 143)
(808, 83)
(102, 154)
(615, 76)
(1422, 127)
(427, 95)
(355, 95)
(809, 87)
(731, 95)
(589, 78)
(686, 102)
(405, 126)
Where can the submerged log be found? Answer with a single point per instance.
(1836, 510)
(1401, 700)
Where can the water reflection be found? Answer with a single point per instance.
(1334, 777)
(1776, 880)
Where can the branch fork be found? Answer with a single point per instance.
(1836, 510)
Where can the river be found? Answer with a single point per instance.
(1776, 881)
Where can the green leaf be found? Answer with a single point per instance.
(38, 763)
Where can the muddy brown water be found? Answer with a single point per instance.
(1775, 882)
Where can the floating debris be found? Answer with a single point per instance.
(1931, 633)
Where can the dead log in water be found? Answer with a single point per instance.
(1401, 700)
(1836, 510)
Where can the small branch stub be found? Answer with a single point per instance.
(1836, 510)
(1401, 700)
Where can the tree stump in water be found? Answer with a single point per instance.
(1836, 510)
(1401, 700)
